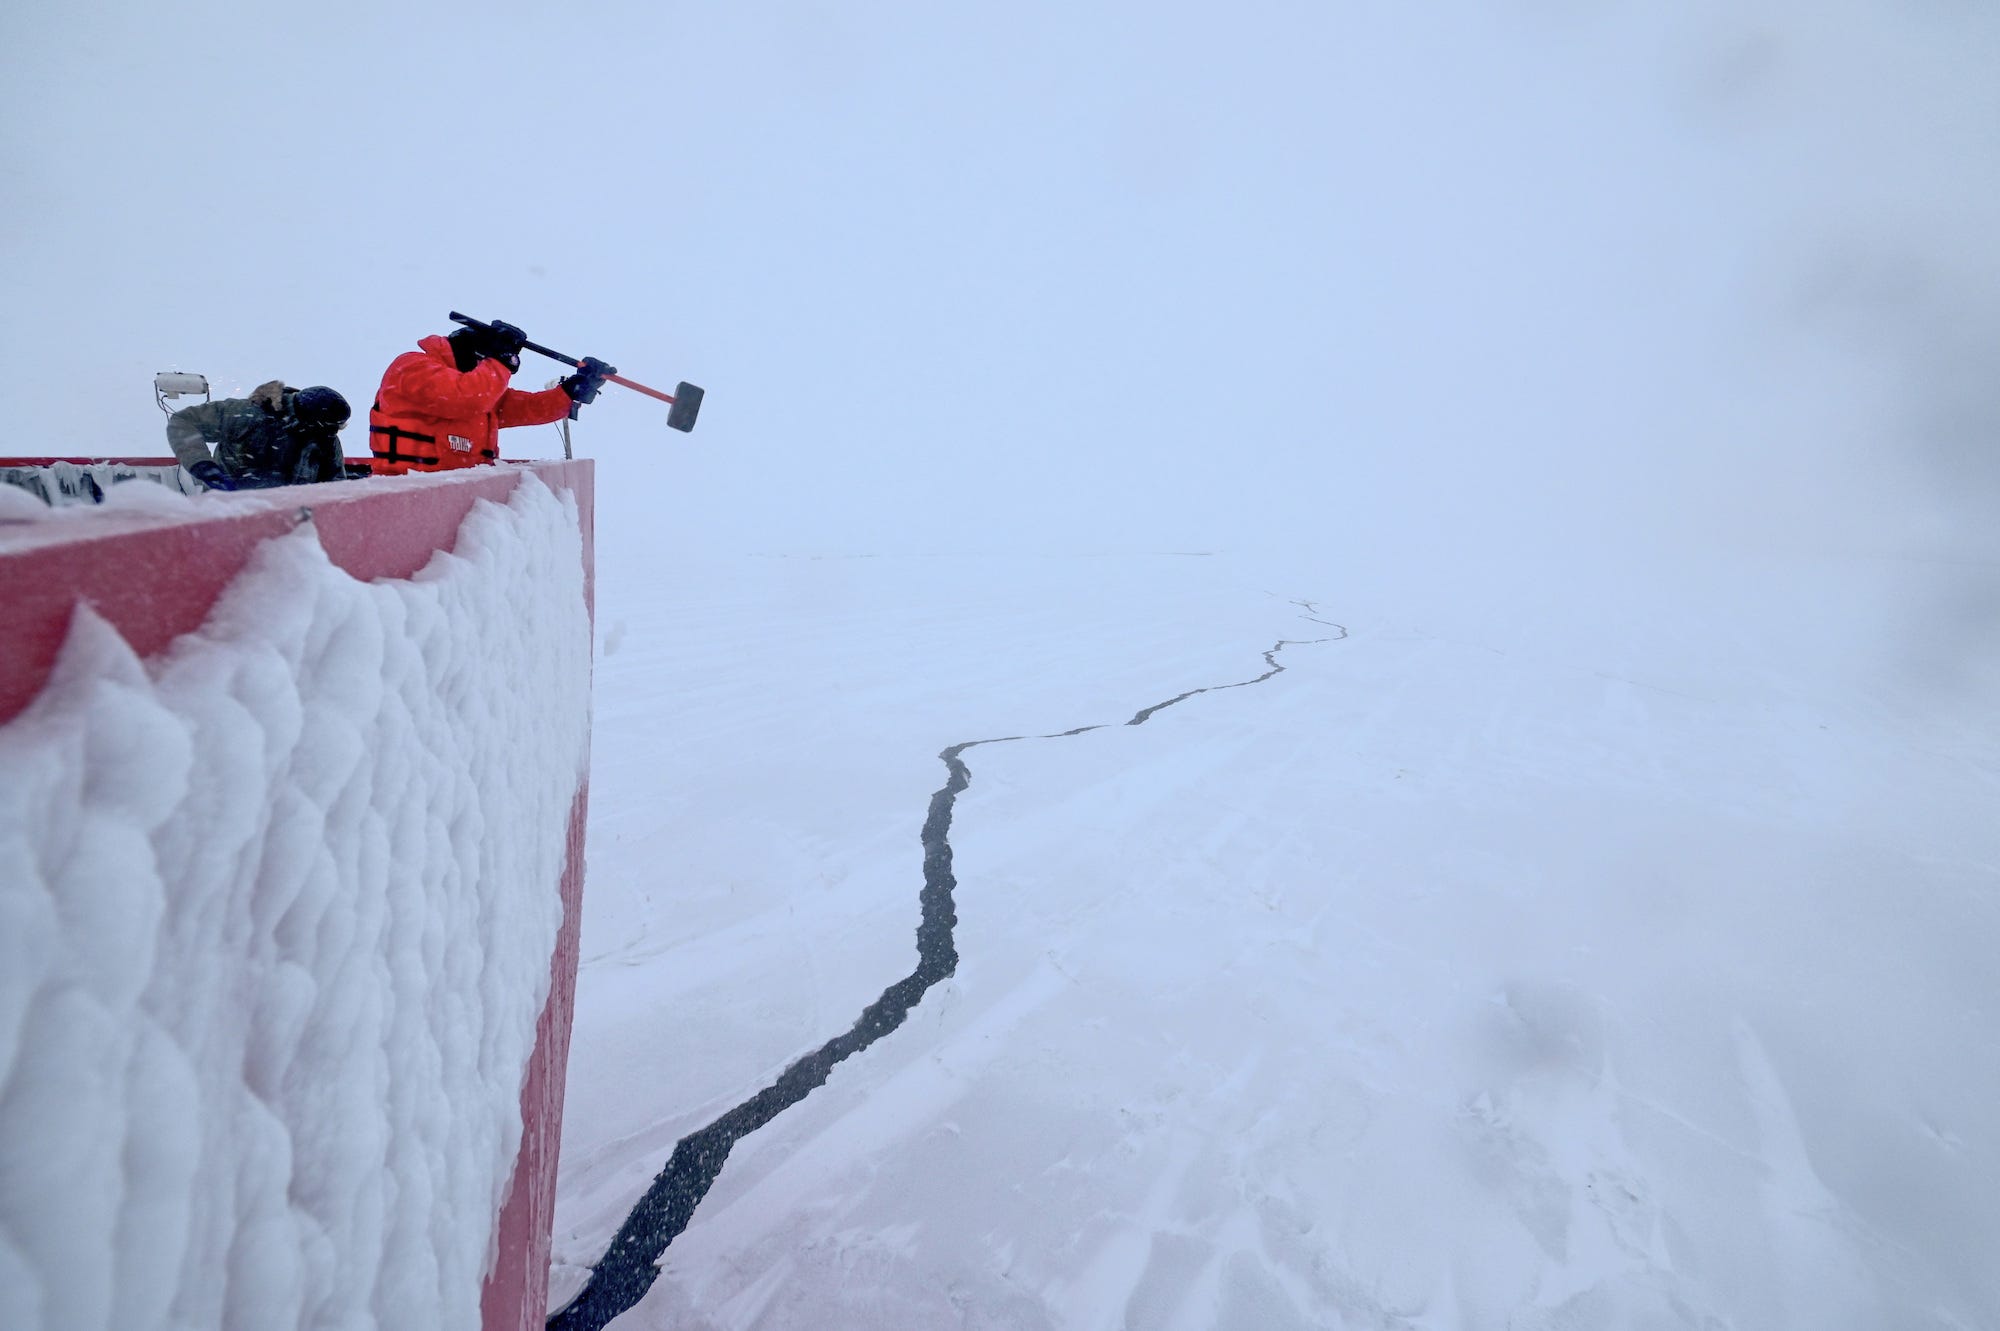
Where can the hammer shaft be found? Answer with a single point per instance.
(553, 354)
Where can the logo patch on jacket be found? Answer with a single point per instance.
(459, 443)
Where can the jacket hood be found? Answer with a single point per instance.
(271, 396)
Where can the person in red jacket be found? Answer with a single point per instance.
(443, 405)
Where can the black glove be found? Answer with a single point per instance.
(590, 375)
(504, 342)
(212, 476)
(506, 337)
(494, 341)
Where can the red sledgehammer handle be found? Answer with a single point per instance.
(684, 412)
(553, 354)
(638, 387)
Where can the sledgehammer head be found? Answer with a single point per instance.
(687, 405)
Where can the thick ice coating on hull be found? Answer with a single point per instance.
(276, 912)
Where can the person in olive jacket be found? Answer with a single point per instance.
(278, 435)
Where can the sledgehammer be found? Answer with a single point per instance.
(685, 399)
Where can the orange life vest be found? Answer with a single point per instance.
(431, 416)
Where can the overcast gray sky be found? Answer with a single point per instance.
(1072, 276)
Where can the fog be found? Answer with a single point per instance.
(1615, 377)
(1446, 284)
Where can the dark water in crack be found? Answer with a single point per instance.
(631, 1264)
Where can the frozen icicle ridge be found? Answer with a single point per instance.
(631, 1264)
(276, 912)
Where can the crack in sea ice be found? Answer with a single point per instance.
(631, 1264)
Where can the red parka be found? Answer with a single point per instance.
(431, 416)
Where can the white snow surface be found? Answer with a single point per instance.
(276, 912)
(1564, 951)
